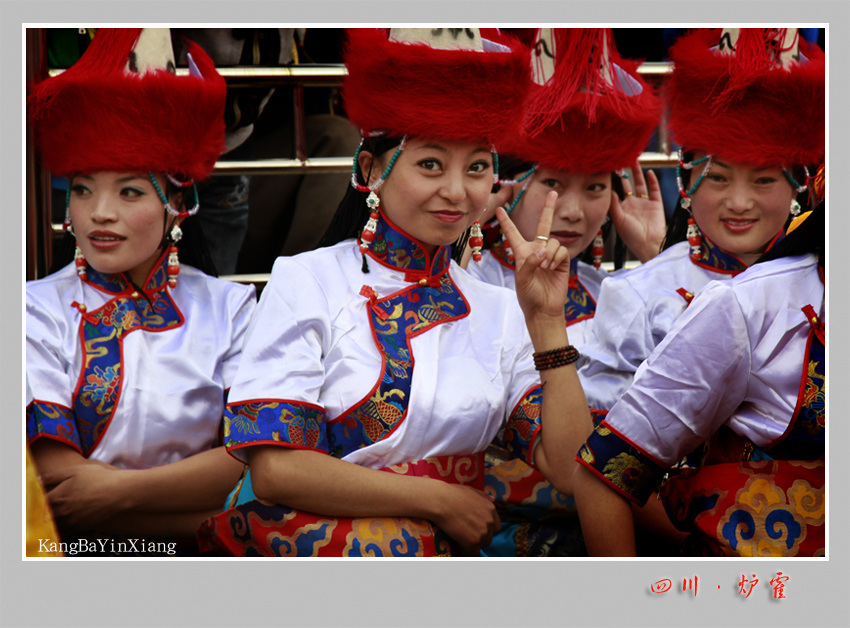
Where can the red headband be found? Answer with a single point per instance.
(579, 122)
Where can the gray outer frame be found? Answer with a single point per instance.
(437, 592)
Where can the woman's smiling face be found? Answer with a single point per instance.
(436, 189)
(741, 209)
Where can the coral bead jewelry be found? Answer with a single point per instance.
(598, 249)
(367, 236)
(173, 267)
(80, 263)
(694, 237)
(476, 241)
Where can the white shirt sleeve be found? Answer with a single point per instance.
(621, 340)
(693, 382)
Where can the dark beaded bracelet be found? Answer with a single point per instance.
(561, 356)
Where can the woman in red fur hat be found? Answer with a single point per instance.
(730, 403)
(128, 364)
(591, 116)
(375, 373)
(747, 137)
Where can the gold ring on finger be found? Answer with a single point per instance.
(629, 193)
(544, 238)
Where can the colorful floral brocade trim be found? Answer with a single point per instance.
(514, 482)
(806, 438)
(101, 336)
(54, 421)
(395, 249)
(394, 321)
(524, 426)
(299, 425)
(618, 462)
(714, 258)
(102, 333)
(119, 283)
(580, 304)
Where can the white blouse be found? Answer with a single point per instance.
(735, 358)
(635, 311)
(376, 368)
(157, 369)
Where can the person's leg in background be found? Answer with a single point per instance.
(289, 213)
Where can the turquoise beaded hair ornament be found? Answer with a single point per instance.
(374, 186)
(686, 194)
(526, 176)
(168, 206)
(373, 201)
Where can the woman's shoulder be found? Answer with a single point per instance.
(669, 270)
(788, 283)
(217, 289)
(483, 292)
(327, 275)
(592, 277)
(778, 270)
(671, 258)
(322, 261)
(54, 285)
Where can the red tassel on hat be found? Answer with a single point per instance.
(581, 66)
(594, 113)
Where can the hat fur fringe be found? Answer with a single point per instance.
(95, 117)
(415, 90)
(746, 110)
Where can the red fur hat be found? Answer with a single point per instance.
(416, 90)
(593, 113)
(103, 114)
(745, 106)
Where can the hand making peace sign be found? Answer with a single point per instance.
(542, 265)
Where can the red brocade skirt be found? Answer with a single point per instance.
(764, 508)
(261, 528)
